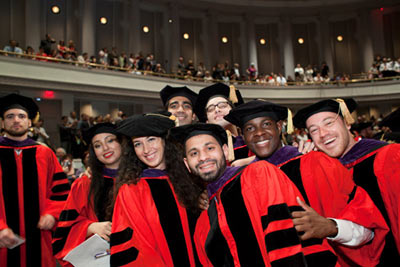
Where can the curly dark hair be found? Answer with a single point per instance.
(186, 187)
(102, 198)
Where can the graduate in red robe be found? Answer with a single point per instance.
(375, 165)
(151, 227)
(33, 188)
(248, 221)
(85, 212)
(325, 184)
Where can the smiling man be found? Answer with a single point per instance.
(375, 165)
(33, 188)
(330, 192)
(248, 221)
(179, 101)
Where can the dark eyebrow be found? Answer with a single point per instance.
(177, 102)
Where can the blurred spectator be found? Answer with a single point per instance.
(159, 69)
(208, 77)
(201, 70)
(181, 65)
(103, 57)
(190, 67)
(41, 53)
(299, 73)
(30, 51)
(72, 119)
(72, 50)
(61, 47)
(83, 59)
(60, 153)
(252, 72)
(309, 74)
(69, 169)
(47, 43)
(13, 47)
(324, 70)
(373, 72)
(40, 134)
(281, 80)
(66, 134)
(235, 72)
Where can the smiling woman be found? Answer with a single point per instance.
(150, 226)
(85, 212)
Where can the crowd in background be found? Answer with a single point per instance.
(148, 65)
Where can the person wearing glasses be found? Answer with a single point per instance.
(374, 164)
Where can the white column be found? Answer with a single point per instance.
(204, 37)
(367, 51)
(325, 43)
(89, 27)
(212, 46)
(249, 41)
(285, 32)
(134, 27)
(174, 37)
(34, 24)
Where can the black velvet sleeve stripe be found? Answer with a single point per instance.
(170, 220)
(119, 238)
(281, 239)
(352, 194)
(311, 242)
(124, 257)
(295, 260)
(277, 213)
(58, 245)
(59, 176)
(61, 188)
(324, 258)
(59, 198)
(69, 215)
(295, 208)
(61, 232)
(293, 171)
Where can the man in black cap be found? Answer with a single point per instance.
(390, 128)
(248, 222)
(179, 101)
(375, 164)
(33, 188)
(330, 192)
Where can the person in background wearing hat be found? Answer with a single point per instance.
(248, 222)
(33, 188)
(85, 212)
(151, 226)
(179, 101)
(362, 130)
(213, 103)
(375, 165)
(390, 128)
(325, 185)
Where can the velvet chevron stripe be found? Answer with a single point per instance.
(121, 237)
(292, 170)
(10, 196)
(124, 257)
(62, 233)
(69, 215)
(170, 220)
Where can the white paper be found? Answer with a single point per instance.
(19, 240)
(84, 254)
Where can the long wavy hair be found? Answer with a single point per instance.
(186, 187)
(97, 190)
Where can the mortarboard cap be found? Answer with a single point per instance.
(20, 102)
(183, 133)
(99, 128)
(169, 92)
(255, 109)
(344, 107)
(217, 89)
(149, 124)
(392, 121)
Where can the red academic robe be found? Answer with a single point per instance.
(75, 218)
(150, 227)
(249, 223)
(32, 184)
(336, 196)
(378, 172)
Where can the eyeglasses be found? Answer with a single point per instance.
(220, 105)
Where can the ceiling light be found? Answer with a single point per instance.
(224, 39)
(55, 9)
(262, 41)
(300, 40)
(146, 29)
(339, 38)
(103, 20)
(185, 36)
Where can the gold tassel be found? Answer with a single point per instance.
(231, 155)
(175, 119)
(289, 129)
(232, 94)
(36, 119)
(345, 111)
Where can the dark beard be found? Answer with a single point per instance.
(211, 176)
(16, 134)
